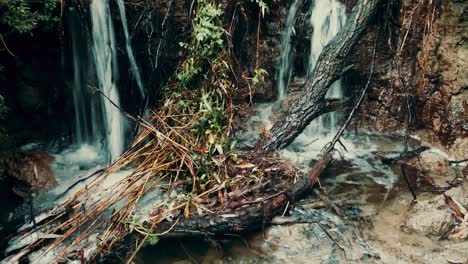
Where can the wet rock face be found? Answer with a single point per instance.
(430, 217)
(436, 216)
(433, 68)
(30, 172)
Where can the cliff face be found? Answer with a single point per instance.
(432, 63)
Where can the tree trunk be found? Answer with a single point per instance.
(247, 217)
(310, 102)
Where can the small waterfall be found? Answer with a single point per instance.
(287, 54)
(105, 58)
(327, 18)
(86, 105)
(128, 45)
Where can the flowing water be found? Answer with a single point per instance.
(105, 58)
(327, 17)
(100, 127)
(87, 106)
(286, 58)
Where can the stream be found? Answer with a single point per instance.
(372, 198)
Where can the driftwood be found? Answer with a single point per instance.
(254, 216)
(309, 103)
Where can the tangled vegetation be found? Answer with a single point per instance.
(183, 158)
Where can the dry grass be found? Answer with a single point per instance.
(163, 157)
(184, 147)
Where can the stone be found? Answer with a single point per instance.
(431, 217)
(30, 171)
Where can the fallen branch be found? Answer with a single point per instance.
(247, 217)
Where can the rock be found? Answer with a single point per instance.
(436, 164)
(434, 217)
(30, 171)
(435, 76)
(431, 217)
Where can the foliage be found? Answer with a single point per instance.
(259, 76)
(20, 15)
(207, 41)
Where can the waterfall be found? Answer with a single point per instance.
(327, 18)
(105, 58)
(128, 46)
(287, 54)
(87, 106)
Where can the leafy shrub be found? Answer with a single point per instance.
(22, 17)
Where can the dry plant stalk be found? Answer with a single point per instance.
(183, 147)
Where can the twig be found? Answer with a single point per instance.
(408, 183)
(458, 161)
(77, 182)
(359, 102)
(5, 45)
(330, 236)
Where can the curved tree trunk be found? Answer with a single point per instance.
(310, 102)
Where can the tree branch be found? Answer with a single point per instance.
(329, 67)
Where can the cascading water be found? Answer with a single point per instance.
(87, 106)
(105, 58)
(287, 54)
(326, 17)
(264, 114)
(98, 121)
(128, 46)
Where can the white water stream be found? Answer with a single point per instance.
(105, 58)
(287, 55)
(100, 127)
(327, 17)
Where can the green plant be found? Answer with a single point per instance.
(259, 76)
(207, 41)
(22, 17)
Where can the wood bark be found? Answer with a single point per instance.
(310, 102)
(248, 217)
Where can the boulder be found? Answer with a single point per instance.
(435, 216)
(30, 171)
